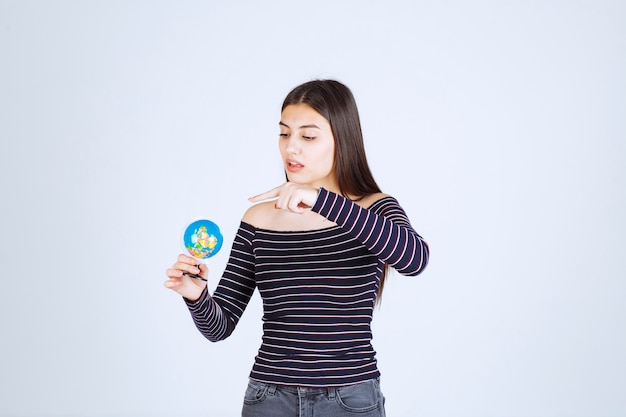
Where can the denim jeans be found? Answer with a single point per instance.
(364, 399)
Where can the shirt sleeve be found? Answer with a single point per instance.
(217, 316)
(384, 229)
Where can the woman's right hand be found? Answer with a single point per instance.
(189, 288)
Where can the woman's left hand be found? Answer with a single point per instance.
(290, 196)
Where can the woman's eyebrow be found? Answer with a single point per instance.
(301, 127)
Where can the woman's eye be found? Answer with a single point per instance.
(283, 135)
(308, 137)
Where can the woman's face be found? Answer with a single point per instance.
(307, 147)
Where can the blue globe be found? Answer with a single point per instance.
(202, 239)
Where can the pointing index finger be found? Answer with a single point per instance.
(268, 195)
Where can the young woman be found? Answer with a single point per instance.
(317, 248)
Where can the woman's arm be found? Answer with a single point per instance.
(217, 316)
(384, 229)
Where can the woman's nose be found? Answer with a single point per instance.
(292, 146)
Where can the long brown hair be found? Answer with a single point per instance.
(335, 102)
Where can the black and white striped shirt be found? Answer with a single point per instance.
(318, 289)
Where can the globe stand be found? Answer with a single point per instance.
(195, 276)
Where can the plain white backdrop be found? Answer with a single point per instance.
(498, 125)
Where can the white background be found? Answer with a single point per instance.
(499, 126)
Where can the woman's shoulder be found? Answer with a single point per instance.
(257, 214)
(372, 199)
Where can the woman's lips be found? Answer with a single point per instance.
(294, 166)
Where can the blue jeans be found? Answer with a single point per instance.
(364, 399)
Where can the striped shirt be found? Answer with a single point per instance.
(318, 289)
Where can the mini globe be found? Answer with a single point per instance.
(202, 239)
